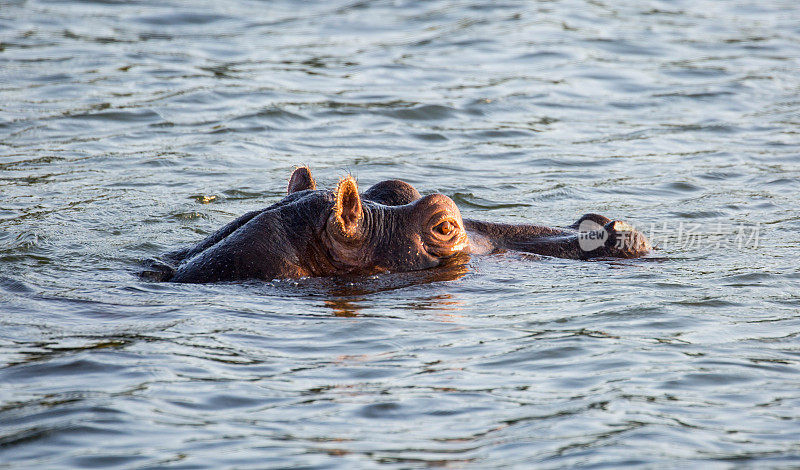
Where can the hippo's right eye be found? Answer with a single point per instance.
(445, 228)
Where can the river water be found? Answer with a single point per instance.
(128, 129)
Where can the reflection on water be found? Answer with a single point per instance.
(345, 295)
(344, 307)
(128, 129)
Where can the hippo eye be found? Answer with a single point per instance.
(445, 228)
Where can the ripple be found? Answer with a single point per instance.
(470, 200)
(118, 116)
(420, 113)
(273, 115)
(13, 285)
(182, 19)
(699, 214)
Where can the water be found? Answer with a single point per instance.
(131, 128)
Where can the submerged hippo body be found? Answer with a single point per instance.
(390, 227)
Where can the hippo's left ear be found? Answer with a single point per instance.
(301, 180)
(348, 212)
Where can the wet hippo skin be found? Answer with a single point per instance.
(390, 227)
(620, 240)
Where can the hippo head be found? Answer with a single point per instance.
(315, 232)
(366, 234)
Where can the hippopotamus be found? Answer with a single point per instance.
(390, 227)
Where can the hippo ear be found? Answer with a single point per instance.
(348, 211)
(301, 180)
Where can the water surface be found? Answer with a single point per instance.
(130, 128)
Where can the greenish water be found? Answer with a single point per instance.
(131, 128)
